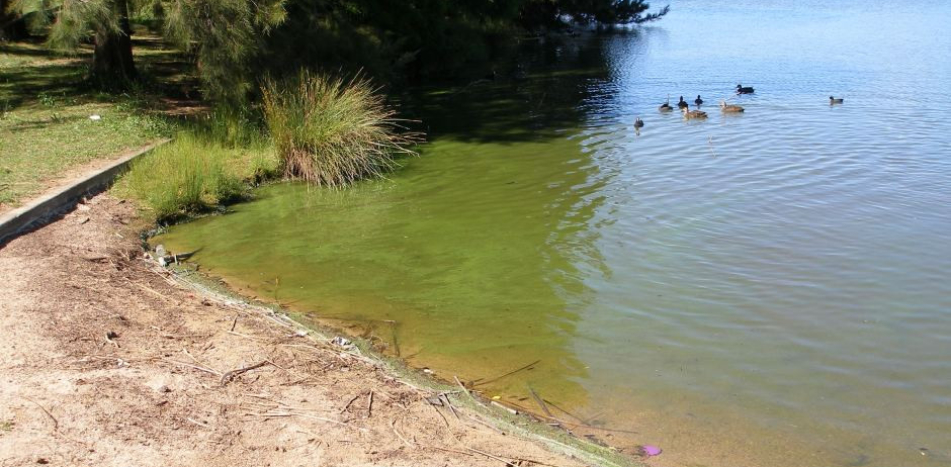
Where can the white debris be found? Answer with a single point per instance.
(341, 341)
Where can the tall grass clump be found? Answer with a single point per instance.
(194, 173)
(333, 132)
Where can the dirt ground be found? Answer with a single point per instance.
(106, 361)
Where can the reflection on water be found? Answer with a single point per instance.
(760, 289)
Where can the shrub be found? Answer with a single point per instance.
(195, 173)
(332, 132)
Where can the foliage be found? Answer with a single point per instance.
(224, 36)
(551, 13)
(332, 132)
(68, 23)
(425, 39)
(195, 173)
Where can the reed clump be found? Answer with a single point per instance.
(195, 173)
(333, 132)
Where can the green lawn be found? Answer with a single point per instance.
(45, 109)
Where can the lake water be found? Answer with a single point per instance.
(764, 289)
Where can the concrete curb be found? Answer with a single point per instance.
(41, 211)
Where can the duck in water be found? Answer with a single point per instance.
(743, 90)
(730, 108)
(693, 114)
(682, 104)
(638, 123)
(665, 107)
(833, 101)
(698, 101)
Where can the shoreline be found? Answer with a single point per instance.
(110, 360)
(532, 424)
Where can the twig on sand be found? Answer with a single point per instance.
(196, 422)
(452, 409)
(291, 413)
(200, 368)
(47, 412)
(370, 404)
(443, 417)
(486, 424)
(490, 456)
(151, 291)
(234, 323)
(393, 425)
(225, 378)
(516, 461)
(344, 409)
(451, 450)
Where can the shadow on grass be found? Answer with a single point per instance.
(33, 75)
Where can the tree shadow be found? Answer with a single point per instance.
(46, 78)
(540, 95)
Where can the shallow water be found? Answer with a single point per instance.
(763, 289)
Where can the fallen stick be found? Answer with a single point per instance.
(393, 425)
(196, 422)
(464, 389)
(443, 417)
(536, 362)
(449, 403)
(225, 378)
(47, 412)
(579, 419)
(450, 450)
(344, 409)
(541, 403)
(200, 368)
(370, 404)
(526, 410)
(490, 456)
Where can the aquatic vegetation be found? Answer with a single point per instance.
(333, 132)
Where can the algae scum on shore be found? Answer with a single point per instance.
(754, 289)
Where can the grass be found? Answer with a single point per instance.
(196, 172)
(324, 130)
(331, 132)
(45, 108)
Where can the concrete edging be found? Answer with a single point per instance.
(42, 210)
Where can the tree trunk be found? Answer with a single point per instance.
(112, 59)
(12, 28)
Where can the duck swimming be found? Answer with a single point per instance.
(682, 104)
(743, 90)
(698, 101)
(638, 123)
(694, 114)
(833, 100)
(730, 109)
(665, 107)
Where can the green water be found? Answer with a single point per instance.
(764, 289)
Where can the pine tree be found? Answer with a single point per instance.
(224, 35)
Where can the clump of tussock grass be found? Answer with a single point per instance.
(196, 173)
(332, 132)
